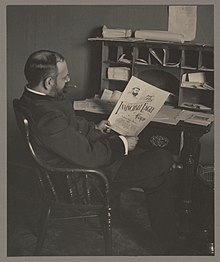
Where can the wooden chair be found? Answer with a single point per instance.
(87, 192)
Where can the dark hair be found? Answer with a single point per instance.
(40, 65)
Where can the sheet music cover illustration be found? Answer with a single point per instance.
(137, 106)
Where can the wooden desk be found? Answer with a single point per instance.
(189, 157)
(189, 153)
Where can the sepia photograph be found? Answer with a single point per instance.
(110, 112)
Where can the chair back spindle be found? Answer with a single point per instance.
(80, 185)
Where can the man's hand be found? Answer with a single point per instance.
(132, 142)
(103, 126)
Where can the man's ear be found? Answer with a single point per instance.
(48, 83)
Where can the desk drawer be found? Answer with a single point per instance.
(162, 138)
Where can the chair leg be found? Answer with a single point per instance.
(42, 227)
(107, 232)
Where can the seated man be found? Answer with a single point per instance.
(67, 139)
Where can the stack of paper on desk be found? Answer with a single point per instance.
(171, 115)
(109, 95)
(79, 105)
(167, 114)
(114, 33)
(94, 105)
(196, 118)
(104, 105)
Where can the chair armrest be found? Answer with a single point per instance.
(78, 170)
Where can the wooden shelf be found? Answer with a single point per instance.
(111, 79)
(184, 58)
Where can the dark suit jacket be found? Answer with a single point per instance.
(66, 139)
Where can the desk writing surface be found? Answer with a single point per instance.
(172, 120)
(170, 134)
(167, 115)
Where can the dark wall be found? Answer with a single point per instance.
(66, 29)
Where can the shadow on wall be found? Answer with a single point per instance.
(207, 155)
(94, 58)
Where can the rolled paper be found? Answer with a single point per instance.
(159, 35)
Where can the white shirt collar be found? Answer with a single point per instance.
(35, 92)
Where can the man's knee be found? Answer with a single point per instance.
(165, 160)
